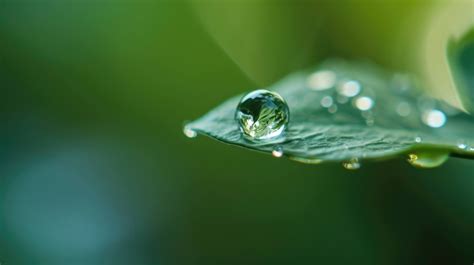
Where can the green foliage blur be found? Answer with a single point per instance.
(95, 168)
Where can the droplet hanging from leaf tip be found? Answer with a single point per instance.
(277, 151)
(352, 164)
(427, 158)
(190, 133)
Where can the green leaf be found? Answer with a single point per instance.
(461, 59)
(392, 127)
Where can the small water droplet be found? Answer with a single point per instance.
(403, 109)
(332, 109)
(190, 133)
(321, 80)
(262, 114)
(427, 158)
(418, 139)
(364, 103)
(434, 118)
(462, 145)
(352, 164)
(277, 151)
(349, 88)
(327, 101)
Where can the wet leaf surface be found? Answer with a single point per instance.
(389, 116)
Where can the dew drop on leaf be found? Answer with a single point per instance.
(462, 145)
(352, 164)
(262, 114)
(277, 151)
(428, 158)
(190, 133)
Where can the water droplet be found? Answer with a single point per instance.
(352, 164)
(412, 158)
(349, 88)
(434, 118)
(190, 133)
(262, 114)
(277, 151)
(417, 139)
(327, 101)
(364, 103)
(332, 109)
(322, 80)
(403, 109)
(462, 145)
(428, 158)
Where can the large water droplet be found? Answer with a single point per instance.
(277, 151)
(190, 133)
(434, 118)
(262, 114)
(352, 164)
(428, 158)
(322, 80)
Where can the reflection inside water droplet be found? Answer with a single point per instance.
(352, 164)
(190, 133)
(277, 151)
(262, 114)
(434, 118)
(322, 80)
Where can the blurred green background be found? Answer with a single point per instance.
(95, 168)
